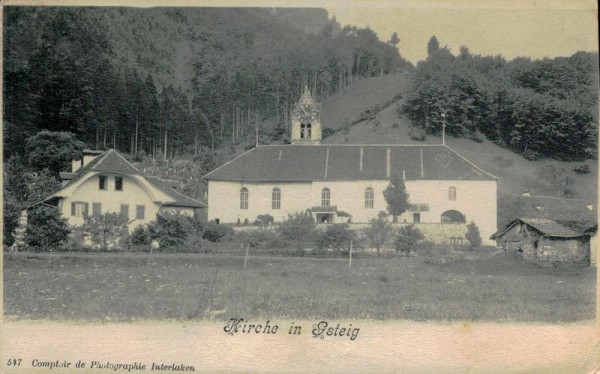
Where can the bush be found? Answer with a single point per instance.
(11, 213)
(298, 227)
(327, 131)
(417, 134)
(472, 235)
(216, 233)
(172, 230)
(141, 236)
(378, 231)
(264, 220)
(582, 169)
(46, 229)
(531, 155)
(336, 237)
(476, 136)
(106, 231)
(262, 239)
(406, 238)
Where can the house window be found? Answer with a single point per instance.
(325, 197)
(452, 193)
(244, 198)
(97, 209)
(140, 211)
(369, 198)
(79, 209)
(125, 211)
(102, 182)
(118, 183)
(276, 198)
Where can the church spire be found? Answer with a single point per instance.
(306, 120)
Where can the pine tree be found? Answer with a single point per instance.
(396, 196)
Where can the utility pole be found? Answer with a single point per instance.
(443, 128)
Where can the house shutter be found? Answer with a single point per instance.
(125, 210)
(97, 209)
(140, 211)
(86, 209)
(73, 209)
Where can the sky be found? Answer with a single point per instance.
(524, 28)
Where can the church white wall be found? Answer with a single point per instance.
(132, 194)
(476, 200)
(224, 200)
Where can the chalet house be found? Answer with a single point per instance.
(337, 181)
(106, 182)
(545, 242)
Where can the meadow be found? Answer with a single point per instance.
(466, 286)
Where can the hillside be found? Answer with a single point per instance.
(387, 127)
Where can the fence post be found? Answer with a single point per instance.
(350, 261)
(246, 257)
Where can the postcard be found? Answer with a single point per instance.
(363, 186)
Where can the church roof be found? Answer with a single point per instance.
(348, 162)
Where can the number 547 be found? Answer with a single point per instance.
(13, 362)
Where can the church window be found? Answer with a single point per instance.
(325, 197)
(244, 198)
(305, 131)
(452, 193)
(276, 198)
(369, 198)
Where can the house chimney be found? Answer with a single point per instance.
(360, 164)
(388, 162)
(422, 170)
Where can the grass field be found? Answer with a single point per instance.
(126, 287)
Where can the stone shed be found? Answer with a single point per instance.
(545, 242)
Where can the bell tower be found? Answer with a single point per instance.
(306, 120)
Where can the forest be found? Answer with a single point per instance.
(170, 80)
(539, 108)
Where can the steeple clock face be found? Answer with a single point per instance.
(307, 113)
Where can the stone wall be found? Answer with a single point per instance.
(555, 251)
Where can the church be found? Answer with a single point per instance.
(345, 182)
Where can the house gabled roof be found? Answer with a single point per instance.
(109, 161)
(547, 227)
(112, 161)
(348, 162)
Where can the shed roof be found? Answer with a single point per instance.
(547, 227)
(348, 162)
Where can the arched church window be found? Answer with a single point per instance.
(369, 197)
(276, 198)
(325, 197)
(452, 193)
(305, 131)
(244, 198)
